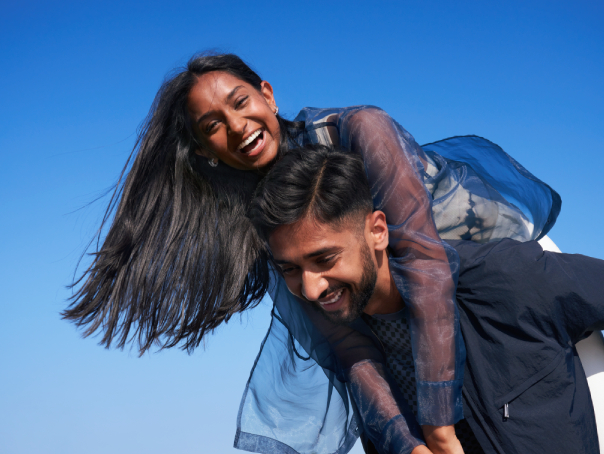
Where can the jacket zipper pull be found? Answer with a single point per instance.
(506, 412)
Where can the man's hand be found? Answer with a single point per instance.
(442, 440)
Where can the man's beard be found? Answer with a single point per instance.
(360, 298)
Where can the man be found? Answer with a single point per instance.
(521, 311)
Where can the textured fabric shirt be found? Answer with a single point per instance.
(393, 330)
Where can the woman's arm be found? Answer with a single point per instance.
(424, 268)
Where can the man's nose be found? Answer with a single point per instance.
(313, 285)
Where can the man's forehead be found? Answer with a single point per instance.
(307, 236)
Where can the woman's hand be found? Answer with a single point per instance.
(442, 439)
(421, 449)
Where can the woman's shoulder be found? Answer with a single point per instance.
(313, 115)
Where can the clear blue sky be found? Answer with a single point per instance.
(79, 77)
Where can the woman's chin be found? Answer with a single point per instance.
(263, 159)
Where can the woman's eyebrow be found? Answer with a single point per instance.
(205, 115)
(227, 99)
(233, 92)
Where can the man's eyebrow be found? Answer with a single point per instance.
(228, 98)
(310, 255)
(325, 250)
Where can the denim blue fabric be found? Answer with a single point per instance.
(316, 385)
(488, 172)
(289, 398)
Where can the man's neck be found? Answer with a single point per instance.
(385, 299)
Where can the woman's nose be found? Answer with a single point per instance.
(237, 125)
(313, 286)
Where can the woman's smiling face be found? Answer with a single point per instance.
(234, 122)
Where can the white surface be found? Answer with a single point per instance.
(591, 352)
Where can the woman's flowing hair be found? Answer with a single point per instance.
(180, 256)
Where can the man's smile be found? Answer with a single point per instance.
(333, 301)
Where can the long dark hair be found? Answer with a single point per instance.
(180, 255)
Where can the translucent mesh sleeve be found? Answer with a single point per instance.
(424, 268)
(388, 421)
(351, 353)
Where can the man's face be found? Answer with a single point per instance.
(330, 266)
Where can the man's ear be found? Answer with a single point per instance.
(378, 230)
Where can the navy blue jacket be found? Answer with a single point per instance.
(521, 312)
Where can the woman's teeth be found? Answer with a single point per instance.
(335, 298)
(249, 140)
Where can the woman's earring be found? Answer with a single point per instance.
(213, 162)
(276, 110)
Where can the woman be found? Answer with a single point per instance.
(180, 255)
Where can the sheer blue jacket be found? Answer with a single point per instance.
(315, 385)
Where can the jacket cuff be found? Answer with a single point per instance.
(439, 403)
(397, 438)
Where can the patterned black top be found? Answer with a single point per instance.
(393, 331)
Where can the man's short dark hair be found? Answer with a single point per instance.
(314, 181)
